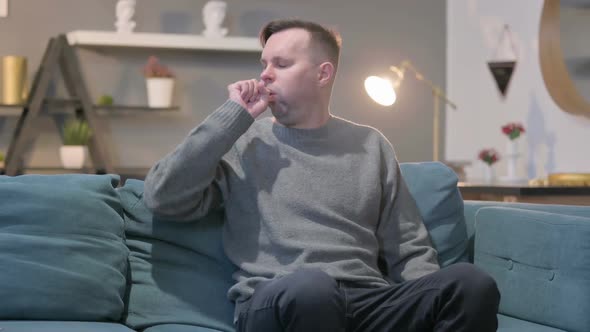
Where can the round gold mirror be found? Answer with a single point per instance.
(566, 74)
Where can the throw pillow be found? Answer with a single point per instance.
(61, 248)
(434, 188)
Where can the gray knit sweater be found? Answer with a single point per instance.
(330, 198)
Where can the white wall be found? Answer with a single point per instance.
(555, 140)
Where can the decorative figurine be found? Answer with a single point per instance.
(213, 16)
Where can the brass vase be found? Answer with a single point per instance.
(14, 74)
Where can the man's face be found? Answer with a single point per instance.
(290, 74)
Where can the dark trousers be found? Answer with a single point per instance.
(457, 298)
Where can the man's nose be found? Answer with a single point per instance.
(267, 75)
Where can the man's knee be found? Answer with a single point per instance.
(474, 283)
(311, 287)
(306, 300)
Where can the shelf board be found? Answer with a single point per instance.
(162, 40)
(133, 109)
(10, 110)
(57, 105)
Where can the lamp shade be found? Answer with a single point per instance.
(380, 90)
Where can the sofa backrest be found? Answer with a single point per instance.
(179, 272)
(473, 207)
(541, 264)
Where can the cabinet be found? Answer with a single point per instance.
(60, 54)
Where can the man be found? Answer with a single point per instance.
(318, 218)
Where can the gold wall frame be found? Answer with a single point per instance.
(553, 68)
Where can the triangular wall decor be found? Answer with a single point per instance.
(502, 73)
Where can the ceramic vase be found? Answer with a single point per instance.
(488, 173)
(512, 155)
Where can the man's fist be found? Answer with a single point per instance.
(251, 94)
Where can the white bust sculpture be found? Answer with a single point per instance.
(125, 10)
(213, 16)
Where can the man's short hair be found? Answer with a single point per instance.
(327, 39)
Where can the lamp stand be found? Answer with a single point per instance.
(437, 94)
(436, 125)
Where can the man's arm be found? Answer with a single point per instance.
(191, 180)
(405, 245)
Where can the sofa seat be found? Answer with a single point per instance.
(509, 324)
(57, 326)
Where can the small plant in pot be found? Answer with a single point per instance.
(159, 82)
(76, 135)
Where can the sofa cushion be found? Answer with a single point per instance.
(178, 328)
(62, 251)
(509, 324)
(541, 263)
(56, 326)
(434, 188)
(179, 272)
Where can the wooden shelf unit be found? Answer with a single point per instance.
(60, 54)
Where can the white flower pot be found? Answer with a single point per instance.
(72, 156)
(159, 91)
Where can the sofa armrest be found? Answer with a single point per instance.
(541, 263)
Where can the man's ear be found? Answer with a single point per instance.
(326, 73)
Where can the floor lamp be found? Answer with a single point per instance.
(382, 91)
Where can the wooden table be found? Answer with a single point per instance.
(525, 193)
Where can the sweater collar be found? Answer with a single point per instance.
(296, 134)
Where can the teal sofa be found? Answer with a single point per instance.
(82, 253)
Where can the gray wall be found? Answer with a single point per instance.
(376, 34)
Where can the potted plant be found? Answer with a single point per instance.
(489, 157)
(159, 82)
(513, 131)
(76, 135)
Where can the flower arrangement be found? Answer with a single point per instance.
(513, 130)
(153, 68)
(489, 156)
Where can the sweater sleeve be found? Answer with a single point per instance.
(192, 179)
(405, 246)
